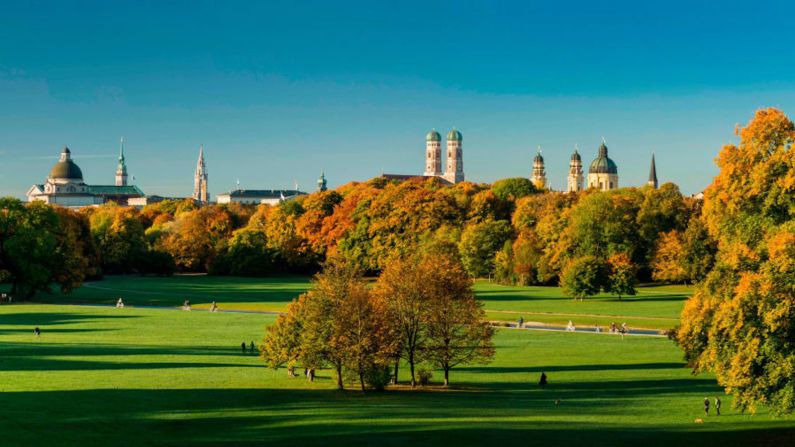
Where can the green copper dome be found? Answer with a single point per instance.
(66, 168)
(603, 164)
(433, 136)
(454, 135)
(538, 158)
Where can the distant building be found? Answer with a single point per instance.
(259, 196)
(200, 179)
(653, 174)
(65, 186)
(539, 177)
(603, 172)
(454, 169)
(575, 172)
(321, 182)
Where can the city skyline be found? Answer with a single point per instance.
(275, 105)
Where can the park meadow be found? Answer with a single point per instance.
(394, 312)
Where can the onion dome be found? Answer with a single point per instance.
(433, 135)
(66, 168)
(603, 164)
(576, 156)
(454, 135)
(538, 158)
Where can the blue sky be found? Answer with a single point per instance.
(277, 92)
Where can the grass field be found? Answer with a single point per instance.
(655, 307)
(106, 376)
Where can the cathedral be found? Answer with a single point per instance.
(454, 167)
(65, 186)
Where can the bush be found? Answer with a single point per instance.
(378, 377)
(424, 376)
(156, 263)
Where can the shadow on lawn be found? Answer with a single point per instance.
(48, 357)
(53, 318)
(560, 368)
(326, 417)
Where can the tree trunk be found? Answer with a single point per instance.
(395, 377)
(446, 375)
(411, 368)
(340, 386)
(361, 380)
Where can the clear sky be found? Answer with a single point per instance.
(278, 91)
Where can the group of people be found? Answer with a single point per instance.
(717, 406)
(252, 347)
(5, 298)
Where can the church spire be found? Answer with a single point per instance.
(653, 173)
(200, 179)
(121, 168)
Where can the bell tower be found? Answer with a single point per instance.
(433, 154)
(575, 172)
(454, 173)
(121, 168)
(200, 179)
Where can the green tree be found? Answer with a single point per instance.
(585, 276)
(622, 276)
(480, 243)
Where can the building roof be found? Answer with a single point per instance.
(576, 156)
(66, 168)
(113, 190)
(653, 172)
(265, 193)
(415, 178)
(454, 135)
(603, 164)
(433, 135)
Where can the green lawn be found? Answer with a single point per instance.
(106, 376)
(655, 307)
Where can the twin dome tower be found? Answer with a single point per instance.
(454, 169)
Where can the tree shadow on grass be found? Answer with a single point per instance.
(53, 318)
(326, 417)
(561, 368)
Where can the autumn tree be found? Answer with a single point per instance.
(119, 235)
(622, 275)
(667, 263)
(739, 322)
(282, 345)
(457, 333)
(402, 287)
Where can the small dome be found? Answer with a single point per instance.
(538, 158)
(603, 164)
(576, 156)
(433, 136)
(66, 168)
(454, 135)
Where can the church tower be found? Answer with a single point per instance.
(321, 182)
(200, 179)
(433, 154)
(539, 178)
(653, 173)
(455, 158)
(575, 172)
(121, 169)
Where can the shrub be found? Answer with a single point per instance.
(424, 376)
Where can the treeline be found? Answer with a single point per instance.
(508, 231)
(422, 310)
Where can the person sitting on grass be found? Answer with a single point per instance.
(120, 304)
(213, 307)
(37, 331)
(186, 305)
(570, 327)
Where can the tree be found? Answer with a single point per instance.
(27, 242)
(401, 287)
(282, 343)
(457, 333)
(584, 277)
(119, 236)
(667, 263)
(513, 189)
(480, 243)
(622, 275)
(739, 322)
